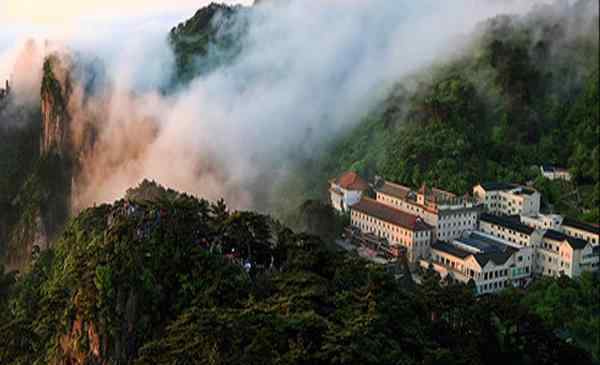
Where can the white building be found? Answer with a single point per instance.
(555, 173)
(585, 231)
(399, 228)
(448, 214)
(492, 264)
(346, 190)
(509, 229)
(555, 253)
(560, 254)
(508, 199)
(542, 221)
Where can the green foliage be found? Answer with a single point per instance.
(571, 307)
(206, 41)
(495, 112)
(154, 282)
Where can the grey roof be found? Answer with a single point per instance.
(498, 258)
(487, 244)
(497, 255)
(497, 186)
(506, 222)
(394, 190)
(547, 168)
(575, 243)
(451, 249)
(591, 228)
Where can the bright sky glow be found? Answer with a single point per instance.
(59, 12)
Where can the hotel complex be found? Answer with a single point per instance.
(496, 239)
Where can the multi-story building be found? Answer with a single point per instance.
(492, 264)
(551, 172)
(398, 227)
(559, 254)
(542, 221)
(509, 229)
(346, 190)
(585, 231)
(507, 199)
(449, 214)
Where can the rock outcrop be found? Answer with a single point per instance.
(55, 93)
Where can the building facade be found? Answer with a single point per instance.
(560, 254)
(542, 221)
(555, 173)
(585, 231)
(491, 264)
(507, 199)
(346, 190)
(509, 229)
(448, 214)
(398, 227)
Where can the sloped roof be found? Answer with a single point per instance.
(575, 243)
(451, 249)
(495, 186)
(390, 215)
(498, 258)
(395, 190)
(351, 181)
(591, 228)
(506, 223)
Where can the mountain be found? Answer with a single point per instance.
(162, 277)
(522, 93)
(209, 39)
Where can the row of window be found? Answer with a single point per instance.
(493, 286)
(589, 238)
(391, 227)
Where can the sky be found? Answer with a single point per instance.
(56, 12)
(308, 70)
(86, 21)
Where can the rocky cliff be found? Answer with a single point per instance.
(55, 93)
(38, 201)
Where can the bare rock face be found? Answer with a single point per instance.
(55, 94)
(28, 237)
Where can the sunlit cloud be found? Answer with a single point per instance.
(36, 12)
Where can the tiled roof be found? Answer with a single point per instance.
(591, 228)
(547, 168)
(506, 223)
(575, 243)
(390, 215)
(498, 258)
(395, 190)
(555, 235)
(351, 181)
(497, 186)
(451, 249)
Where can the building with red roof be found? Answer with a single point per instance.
(346, 190)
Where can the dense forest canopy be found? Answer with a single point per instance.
(166, 278)
(523, 93)
(161, 277)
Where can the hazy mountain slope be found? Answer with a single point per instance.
(525, 92)
(162, 281)
(208, 39)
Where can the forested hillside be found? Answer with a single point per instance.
(208, 39)
(524, 92)
(178, 280)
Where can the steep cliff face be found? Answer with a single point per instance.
(207, 40)
(37, 203)
(55, 93)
